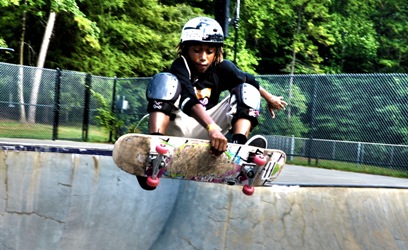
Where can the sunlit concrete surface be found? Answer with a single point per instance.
(59, 200)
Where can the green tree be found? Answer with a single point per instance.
(287, 36)
(5, 3)
(356, 46)
(391, 21)
(137, 38)
(87, 27)
(3, 43)
(37, 9)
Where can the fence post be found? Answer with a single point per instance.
(57, 103)
(115, 80)
(358, 153)
(292, 147)
(85, 123)
(313, 120)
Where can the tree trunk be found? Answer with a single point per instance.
(292, 66)
(20, 87)
(40, 65)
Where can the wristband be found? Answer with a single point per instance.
(213, 126)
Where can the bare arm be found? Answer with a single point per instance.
(275, 103)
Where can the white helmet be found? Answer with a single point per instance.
(202, 29)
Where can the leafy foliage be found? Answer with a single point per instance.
(138, 38)
(106, 117)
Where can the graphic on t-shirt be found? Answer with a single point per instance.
(203, 95)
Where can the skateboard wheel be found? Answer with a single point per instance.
(248, 190)
(152, 182)
(259, 160)
(161, 149)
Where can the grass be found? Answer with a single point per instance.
(349, 166)
(12, 129)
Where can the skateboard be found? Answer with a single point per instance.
(151, 157)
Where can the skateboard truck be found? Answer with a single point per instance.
(158, 163)
(251, 170)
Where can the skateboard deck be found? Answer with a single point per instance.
(156, 156)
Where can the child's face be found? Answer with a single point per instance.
(202, 56)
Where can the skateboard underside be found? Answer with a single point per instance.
(191, 159)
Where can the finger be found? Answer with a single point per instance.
(224, 146)
(219, 145)
(272, 113)
(216, 152)
(217, 149)
(214, 144)
(211, 142)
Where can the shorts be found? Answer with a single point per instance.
(183, 125)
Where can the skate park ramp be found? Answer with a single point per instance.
(68, 195)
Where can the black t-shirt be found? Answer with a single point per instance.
(206, 88)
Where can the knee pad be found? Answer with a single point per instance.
(163, 86)
(247, 101)
(162, 92)
(247, 96)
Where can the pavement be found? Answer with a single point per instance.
(310, 176)
(78, 199)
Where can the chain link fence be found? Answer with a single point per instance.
(358, 118)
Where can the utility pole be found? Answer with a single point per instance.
(222, 15)
(235, 22)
